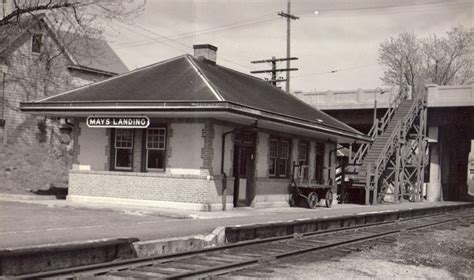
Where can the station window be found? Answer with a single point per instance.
(123, 149)
(303, 155)
(319, 164)
(244, 138)
(155, 148)
(279, 157)
(36, 43)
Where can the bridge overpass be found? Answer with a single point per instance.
(450, 130)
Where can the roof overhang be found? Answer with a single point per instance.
(91, 70)
(228, 111)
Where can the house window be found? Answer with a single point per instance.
(155, 148)
(36, 43)
(279, 157)
(319, 164)
(303, 155)
(123, 149)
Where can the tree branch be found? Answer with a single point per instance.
(24, 10)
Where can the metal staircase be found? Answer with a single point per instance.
(392, 167)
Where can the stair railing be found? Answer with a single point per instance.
(379, 126)
(399, 132)
(383, 122)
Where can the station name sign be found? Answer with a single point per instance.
(118, 122)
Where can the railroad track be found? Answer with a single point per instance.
(233, 257)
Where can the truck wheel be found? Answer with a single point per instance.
(312, 200)
(328, 198)
(291, 201)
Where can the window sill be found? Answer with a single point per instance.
(143, 174)
(122, 170)
(155, 170)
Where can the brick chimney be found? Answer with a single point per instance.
(206, 51)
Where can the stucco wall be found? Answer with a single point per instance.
(262, 154)
(312, 158)
(92, 142)
(217, 146)
(186, 144)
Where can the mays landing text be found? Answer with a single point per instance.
(121, 122)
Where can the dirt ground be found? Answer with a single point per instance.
(25, 168)
(440, 254)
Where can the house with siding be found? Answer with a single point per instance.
(213, 138)
(38, 60)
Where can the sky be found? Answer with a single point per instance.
(337, 47)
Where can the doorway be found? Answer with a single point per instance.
(244, 169)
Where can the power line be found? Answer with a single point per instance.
(335, 70)
(274, 71)
(178, 42)
(211, 29)
(236, 25)
(160, 35)
(233, 62)
(185, 45)
(388, 5)
(198, 32)
(160, 42)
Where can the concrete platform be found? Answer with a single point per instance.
(45, 231)
(26, 221)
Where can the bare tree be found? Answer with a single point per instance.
(413, 61)
(83, 11)
(77, 27)
(72, 26)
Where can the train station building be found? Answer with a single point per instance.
(188, 133)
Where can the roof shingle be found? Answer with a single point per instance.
(172, 80)
(247, 90)
(186, 78)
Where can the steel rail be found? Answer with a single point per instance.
(141, 261)
(144, 261)
(257, 261)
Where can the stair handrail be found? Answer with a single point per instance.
(379, 126)
(359, 155)
(401, 129)
(383, 122)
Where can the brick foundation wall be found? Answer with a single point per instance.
(204, 190)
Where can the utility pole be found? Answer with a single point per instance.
(274, 71)
(289, 17)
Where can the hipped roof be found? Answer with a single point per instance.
(187, 80)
